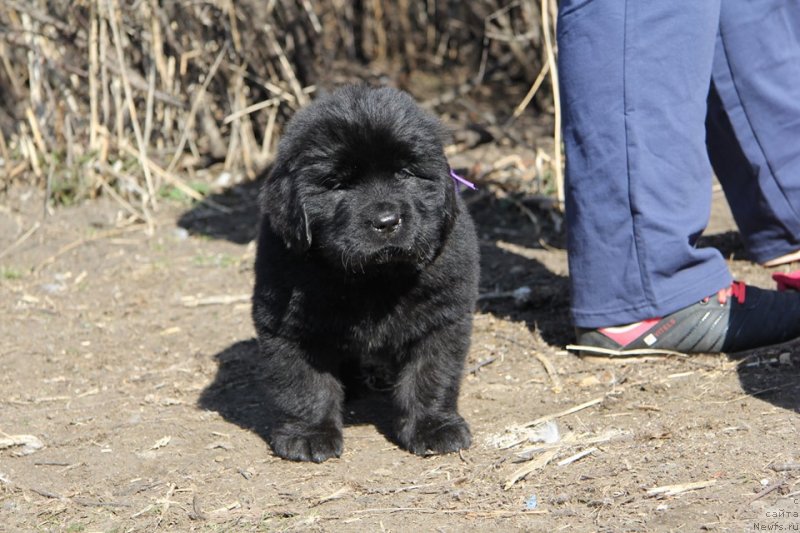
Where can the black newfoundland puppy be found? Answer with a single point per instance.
(367, 261)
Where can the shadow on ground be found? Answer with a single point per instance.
(240, 395)
(729, 243)
(772, 375)
(514, 232)
(231, 215)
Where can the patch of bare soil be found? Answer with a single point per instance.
(129, 363)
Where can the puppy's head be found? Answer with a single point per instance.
(362, 180)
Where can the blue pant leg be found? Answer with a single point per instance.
(635, 77)
(754, 122)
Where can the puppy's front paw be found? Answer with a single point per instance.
(432, 435)
(307, 443)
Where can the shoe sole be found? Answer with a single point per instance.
(609, 353)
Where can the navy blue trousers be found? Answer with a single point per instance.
(653, 94)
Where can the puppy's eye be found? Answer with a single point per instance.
(332, 184)
(406, 173)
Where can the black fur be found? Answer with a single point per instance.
(368, 256)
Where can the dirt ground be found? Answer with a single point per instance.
(131, 360)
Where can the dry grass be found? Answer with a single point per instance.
(136, 98)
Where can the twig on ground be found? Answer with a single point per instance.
(672, 490)
(80, 242)
(540, 462)
(47, 494)
(580, 455)
(551, 371)
(97, 503)
(566, 412)
(196, 513)
(770, 488)
(608, 436)
(165, 503)
(338, 495)
(785, 467)
(192, 301)
(147, 509)
(25, 236)
(544, 360)
(480, 364)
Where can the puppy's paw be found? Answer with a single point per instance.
(307, 443)
(435, 434)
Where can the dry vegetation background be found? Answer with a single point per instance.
(136, 99)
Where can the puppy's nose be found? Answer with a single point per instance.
(386, 222)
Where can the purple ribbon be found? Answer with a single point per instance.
(461, 181)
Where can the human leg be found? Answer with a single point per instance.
(754, 122)
(634, 81)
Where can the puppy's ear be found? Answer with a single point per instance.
(450, 205)
(281, 202)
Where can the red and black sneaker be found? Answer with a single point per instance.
(737, 318)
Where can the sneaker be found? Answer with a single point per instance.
(787, 281)
(737, 318)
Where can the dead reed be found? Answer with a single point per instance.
(135, 98)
